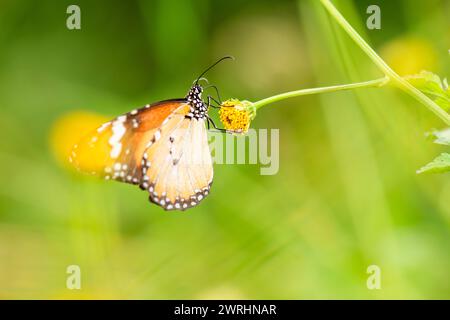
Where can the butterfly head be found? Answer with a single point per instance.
(199, 109)
(195, 92)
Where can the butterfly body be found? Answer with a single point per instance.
(198, 109)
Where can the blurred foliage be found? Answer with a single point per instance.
(442, 162)
(346, 195)
(439, 164)
(432, 85)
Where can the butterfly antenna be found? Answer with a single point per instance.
(212, 66)
(202, 78)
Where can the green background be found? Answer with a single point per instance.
(346, 195)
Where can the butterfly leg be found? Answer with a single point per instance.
(209, 120)
(217, 92)
(209, 98)
(217, 129)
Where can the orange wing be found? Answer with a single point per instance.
(115, 150)
(177, 166)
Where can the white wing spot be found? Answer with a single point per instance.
(118, 130)
(103, 127)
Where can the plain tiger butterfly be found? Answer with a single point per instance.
(162, 147)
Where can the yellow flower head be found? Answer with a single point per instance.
(409, 55)
(236, 115)
(69, 129)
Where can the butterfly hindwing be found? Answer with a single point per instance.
(115, 150)
(178, 169)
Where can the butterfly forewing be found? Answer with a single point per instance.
(115, 150)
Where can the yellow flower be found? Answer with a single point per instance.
(409, 55)
(69, 130)
(236, 115)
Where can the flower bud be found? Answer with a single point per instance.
(236, 115)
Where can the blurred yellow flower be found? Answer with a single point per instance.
(236, 115)
(409, 55)
(69, 129)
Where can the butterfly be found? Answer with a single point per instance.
(162, 147)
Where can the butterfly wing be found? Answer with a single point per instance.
(114, 151)
(177, 166)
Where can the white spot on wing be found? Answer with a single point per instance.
(118, 130)
(103, 127)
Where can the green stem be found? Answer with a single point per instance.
(398, 80)
(296, 93)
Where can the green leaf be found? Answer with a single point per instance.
(431, 85)
(439, 164)
(441, 137)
